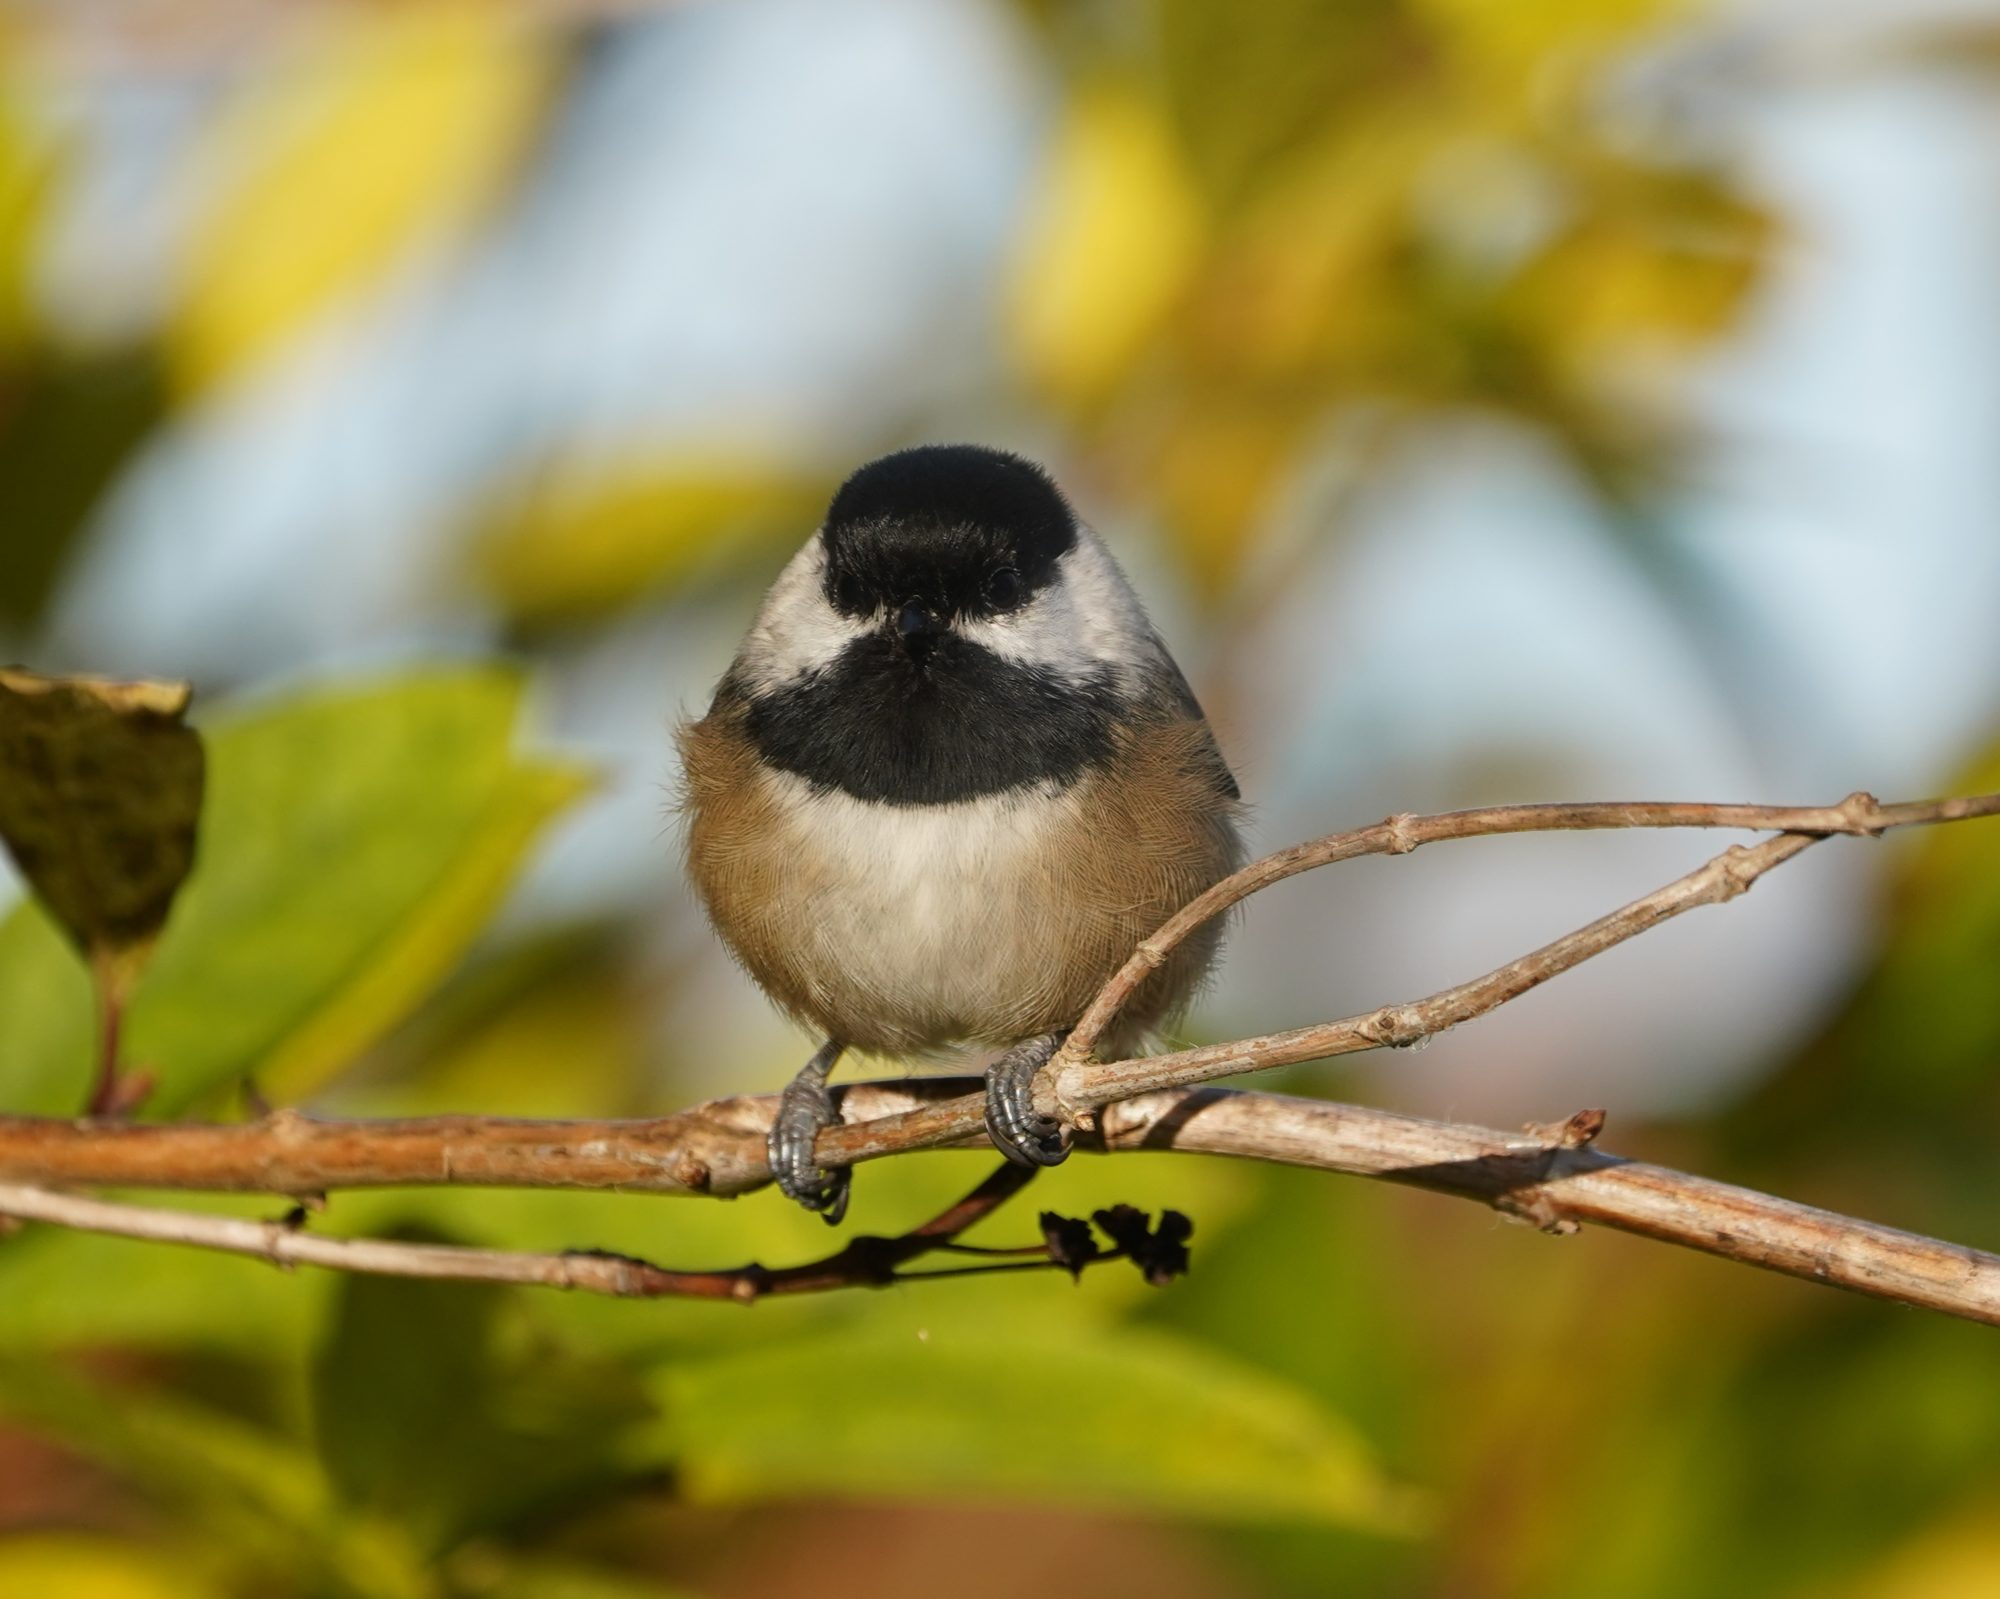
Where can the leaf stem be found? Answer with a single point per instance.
(107, 978)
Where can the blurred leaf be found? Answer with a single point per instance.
(487, 1036)
(415, 956)
(1400, 211)
(1957, 1558)
(355, 843)
(1108, 247)
(67, 425)
(1103, 1417)
(186, 1451)
(1932, 1006)
(75, 1566)
(395, 1352)
(100, 794)
(1551, 49)
(487, 1575)
(45, 1016)
(494, 1437)
(1243, 1299)
(28, 169)
(67, 419)
(256, 1494)
(1852, 1429)
(1249, 90)
(578, 543)
(392, 128)
(1658, 267)
(1218, 475)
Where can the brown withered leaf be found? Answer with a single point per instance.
(100, 794)
(1161, 1255)
(1069, 1242)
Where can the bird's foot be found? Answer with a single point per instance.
(1021, 1132)
(804, 1109)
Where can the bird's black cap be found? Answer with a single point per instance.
(938, 522)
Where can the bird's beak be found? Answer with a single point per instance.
(917, 628)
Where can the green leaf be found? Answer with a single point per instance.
(1108, 1417)
(228, 1476)
(67, 426)
(425, 1415)
(1939, 963)
(397, 1351)
(257, 1497)
(355, 842)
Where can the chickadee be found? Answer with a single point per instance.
(950, 781)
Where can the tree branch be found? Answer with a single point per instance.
(1551, 1177)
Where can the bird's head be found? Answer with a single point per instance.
(949, 553)
(951, 629)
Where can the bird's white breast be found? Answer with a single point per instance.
(935, 916)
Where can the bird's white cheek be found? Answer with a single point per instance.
(1042, 633)
(797, 631)
(1077, 627)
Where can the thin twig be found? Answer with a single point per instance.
(863, 1262)
(1401, 1026)
(1859, 813)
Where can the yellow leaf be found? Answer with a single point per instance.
(588, 543)
(1108, 247)
(393, 128)
(69, 1566)
(27, 170)
(1544, 54)
(1957, 1557)
(1216, 480)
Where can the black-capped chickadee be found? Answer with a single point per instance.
(950, 781)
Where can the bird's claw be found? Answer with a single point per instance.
(1021, 1132)
(804, 1109)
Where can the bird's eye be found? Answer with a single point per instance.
(850, 597)
(1005, 589)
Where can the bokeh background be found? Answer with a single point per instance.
(1543, 400)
